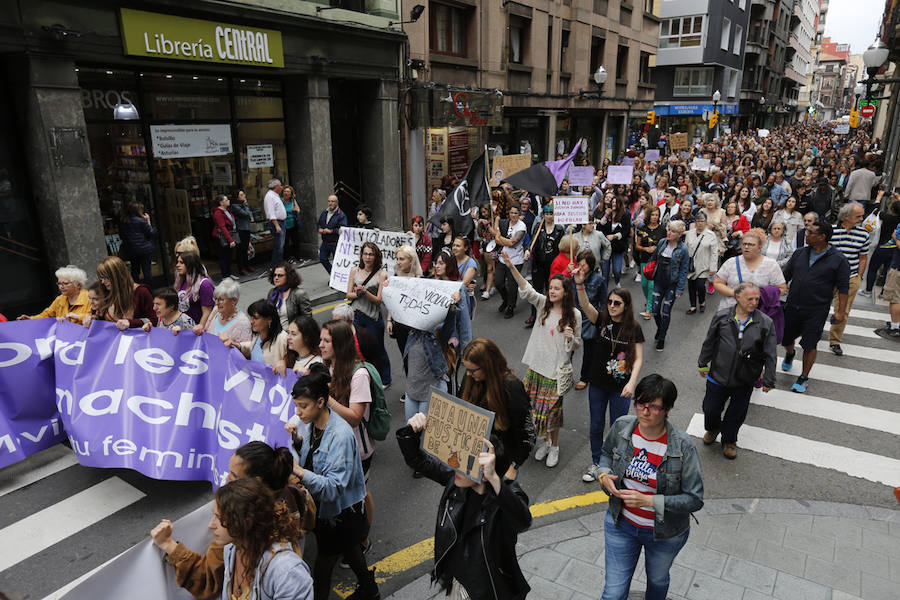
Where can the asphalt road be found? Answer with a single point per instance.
(405, 507)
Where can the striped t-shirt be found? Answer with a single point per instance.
(851, 244)
(641, 475)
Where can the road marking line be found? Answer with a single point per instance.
(55, 523)
(868, 315)
(873, 467)
(832, 410)
(863, 379)
(412, 556)
(880, 354)
(866, 332)
(36, 467)
(76, 582)
(321, 309)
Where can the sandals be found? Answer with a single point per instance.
(691, 310)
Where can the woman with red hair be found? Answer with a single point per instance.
(423, 242)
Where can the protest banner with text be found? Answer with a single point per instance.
(508, 164)
(349, 246)
(581, 176)
(455, 433)
(620, 174)
(571, 210)
(700, 164)
(419, 303)
(678, 141)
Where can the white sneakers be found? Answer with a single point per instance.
(546, 451)
(591, 474)
(553, 456)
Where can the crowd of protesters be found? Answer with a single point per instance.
(772, 233)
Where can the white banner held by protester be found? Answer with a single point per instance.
(571, 210)
(700, 164)
(763, 133)
(349, 246)
(419, 303)
(618, 175)
(581, 176)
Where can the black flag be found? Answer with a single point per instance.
(473, 190)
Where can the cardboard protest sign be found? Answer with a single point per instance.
(628, 160)
(651, 155)
(455, 433)
(419, 303)
(700, 164)
(349, 246)
(581, 176)
(619, 174)
(678, 141)
(571, 210)
(508, 164)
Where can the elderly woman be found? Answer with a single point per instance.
(226, 321)
(287, 294)
(751, 266)
(73, 302)
(778, 247)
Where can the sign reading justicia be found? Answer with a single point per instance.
(165, 36)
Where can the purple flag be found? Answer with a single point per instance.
(559, 168)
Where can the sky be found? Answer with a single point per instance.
(854, 22)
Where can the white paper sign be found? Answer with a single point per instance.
(571, 210)
(700, 164)
(349, 246)
(259, 156)
(842, 128)
(188, 141)
(581, 176)
(617, 174)
(651, 155)
(763, 133)
(419, 303)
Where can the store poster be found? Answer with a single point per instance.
(458, 153)
(260, 156)
(190, 141)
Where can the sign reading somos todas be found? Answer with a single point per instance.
(349, 246)
(455, 433)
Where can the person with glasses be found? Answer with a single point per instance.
(287, 294)
(364, 288)
(751, 265)
(740, 345)
(226, 321)
(73, 302)
(651, 471)
(815, 271)
(615, 363)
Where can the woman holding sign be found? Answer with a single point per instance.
(555, 337)
(615, 224)
(364, 293)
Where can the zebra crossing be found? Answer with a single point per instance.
(859, 390)
(60, 521)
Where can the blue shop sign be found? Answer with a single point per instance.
(685, 110)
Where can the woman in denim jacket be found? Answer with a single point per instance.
(328, 464)
(670, 278)
(651, 471)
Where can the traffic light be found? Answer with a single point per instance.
(713, 119)
(854, 119)
(651, 117)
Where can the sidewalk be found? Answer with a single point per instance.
(256, 285)
(751, 549)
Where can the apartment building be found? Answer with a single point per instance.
(768, 96)
(801, 44)
(701, 51)
(518, 76)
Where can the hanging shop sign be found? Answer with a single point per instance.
(166, 36)
(465, 107)
(189, 141)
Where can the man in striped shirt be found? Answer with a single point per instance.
(851, 240)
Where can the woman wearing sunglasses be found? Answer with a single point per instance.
(616, 362)
(651, 471)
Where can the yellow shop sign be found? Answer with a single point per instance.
(166, 36)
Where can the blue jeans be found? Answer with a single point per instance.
(277, 242)
(615, 259)
(411, 407)
(326, 251)
(623, 548)
(663, 299)
(598, 399)
(376, 328)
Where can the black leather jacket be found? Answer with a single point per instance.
(478, 548)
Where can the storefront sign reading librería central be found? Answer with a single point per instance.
(167, 36)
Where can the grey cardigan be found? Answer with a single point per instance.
(298, 303)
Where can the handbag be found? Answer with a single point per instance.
(650, 270)
(565, 379)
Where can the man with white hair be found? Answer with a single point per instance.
(73, 302)
(852, 240)
(276, 215)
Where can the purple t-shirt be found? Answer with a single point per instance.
(194, 308)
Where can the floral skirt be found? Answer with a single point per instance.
(546, 405)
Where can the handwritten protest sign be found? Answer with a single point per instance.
(508, 164)
(581, 176)
(419, 303)
(619, 174)
(455, 433)
(571, 210)
(763, 133)
(628, 160)
(651, 155)
(678, 141)
(346, 255)
(684, 154)
(700, 164)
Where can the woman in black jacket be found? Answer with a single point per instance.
(477, 523)
(490, 384)
(137, 241)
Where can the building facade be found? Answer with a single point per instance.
(517, 76)
(701, 50)
(175, 103)
(805, 31)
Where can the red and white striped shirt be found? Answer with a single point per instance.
(641, 475)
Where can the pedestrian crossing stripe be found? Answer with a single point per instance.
(866, 315)
(866, 352)
(853, 377)
(792, 448)
(866, 332)
(39, 466)
(831, 410)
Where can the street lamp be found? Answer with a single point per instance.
(715, 113)
(762, 104)
(873, 58)
(600, 76)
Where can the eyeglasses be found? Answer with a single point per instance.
(221, 299)
(612, 302)
(274, 275)
(103, 278)
(652, 408)
(472, 371)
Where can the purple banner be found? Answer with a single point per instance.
(170, 407)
